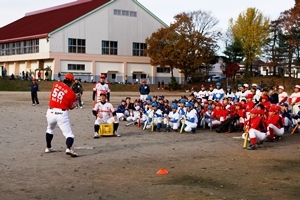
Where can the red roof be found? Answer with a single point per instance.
(40, 23)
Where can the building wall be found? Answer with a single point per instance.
(104, 25)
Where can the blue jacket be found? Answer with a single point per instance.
(34, 87)
(144, 89)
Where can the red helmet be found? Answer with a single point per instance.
(70, 77)
(33, 79)
(103, 93)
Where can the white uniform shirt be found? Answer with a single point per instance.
(203, 94)
(104, 109)
(174, 116)
(282, 96)
(210, 95)
(98, 87)
(294, 97)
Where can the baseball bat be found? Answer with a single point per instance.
(145, 124)
(152, 124)
(139, 122)
(294, 129)
(246, 139)
(182, 125)
(130, 123)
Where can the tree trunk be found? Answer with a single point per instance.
(290, 62)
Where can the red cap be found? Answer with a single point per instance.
(254, 111)
(219, 104)
(265, 97)
(143, 81)
(211, 85)
(203, 86)
(33, 79)
(238, 104)
(272, 109)
(249, 96)
(69, 76)
(103, 93)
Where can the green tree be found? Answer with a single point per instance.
(251, 29)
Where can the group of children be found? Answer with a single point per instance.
(265, 113)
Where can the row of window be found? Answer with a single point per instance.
(81, 67)
(125, 13)
(21, 47)
(108, 47)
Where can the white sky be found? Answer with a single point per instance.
(223, 10)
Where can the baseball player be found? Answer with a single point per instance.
(256, 129)
(274, 124)
(203, 94)
(102, 111)
(172, 120)
(190, 119)
(282, 95)
(62, 99)
(218, 92)
(156, 115)
(294, 100)
(99, 87)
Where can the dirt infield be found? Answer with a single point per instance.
(205, 165)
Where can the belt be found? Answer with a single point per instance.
(58, 109)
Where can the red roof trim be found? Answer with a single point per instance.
(57, 7)
(25, 38)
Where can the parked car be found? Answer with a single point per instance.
(216, 78)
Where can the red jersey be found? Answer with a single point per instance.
(256, 123)
(241, 113)
(249, 106)
(62, 97)
(217, 114)
(276, 120)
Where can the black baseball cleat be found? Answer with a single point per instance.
(270, 140)
(252, 147)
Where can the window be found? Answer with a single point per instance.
(76, 45)
(22, 47)
(138, 49)
(76, 67)
(163, 70)
(109, 47)
(143, 76)
(125, 13)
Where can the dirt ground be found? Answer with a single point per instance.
(205, 165)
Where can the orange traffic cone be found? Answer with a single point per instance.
(162, 171)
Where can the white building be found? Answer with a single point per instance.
(86, 38)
